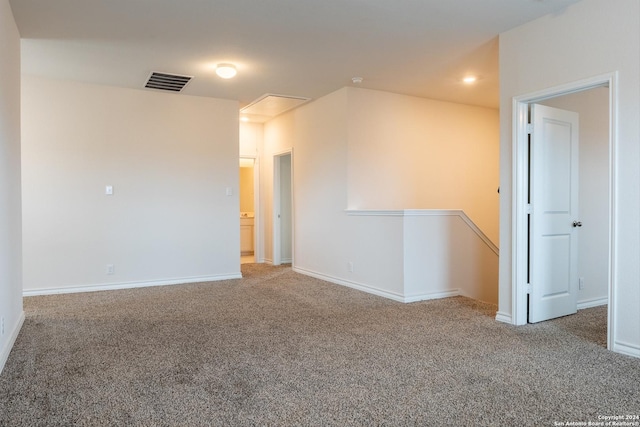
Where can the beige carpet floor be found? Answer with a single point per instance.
(280, 349)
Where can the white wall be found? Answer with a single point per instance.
(318, 133)
(251, 135)
(443, 254)
(593, 108)
(278, 137)
(169, 159)
(415, 153)
(320, 190)
(374, 244)
(413, 255)
(10, 217)
(328, 241)
(590, 38)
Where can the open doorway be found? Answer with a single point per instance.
(248, 208)
(593, 108)
(283, 208)
(594, 99)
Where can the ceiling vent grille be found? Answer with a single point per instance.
(168, 82)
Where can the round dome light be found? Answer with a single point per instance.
(226, 71)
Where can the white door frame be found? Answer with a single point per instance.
(520, 184)
(257, 249)
(277, 235)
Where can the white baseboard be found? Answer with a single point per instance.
(377, 291)
(349, 284)
(626, 348)
(4, 355)
(432, 295)
(130, 285)
(595, 302)
(503, 317)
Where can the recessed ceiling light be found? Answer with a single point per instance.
(226, 71)
(244, 118)
(470, 79)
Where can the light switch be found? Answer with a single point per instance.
(108, 190)
(229, 191)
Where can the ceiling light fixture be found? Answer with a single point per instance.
(470, 79)
(226, 71)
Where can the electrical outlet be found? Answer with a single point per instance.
(2, 326)
(350, 266)
(111, 269)
(581, 283)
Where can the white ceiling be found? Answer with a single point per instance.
(302, 48)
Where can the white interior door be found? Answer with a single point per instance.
(554, 220)
(286, 224)
(282, 210)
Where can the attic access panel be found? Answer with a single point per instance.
(271, 105)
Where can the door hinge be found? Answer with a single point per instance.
(529, 128)
(528, 288)
(527, 209)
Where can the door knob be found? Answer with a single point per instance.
(577, 224)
